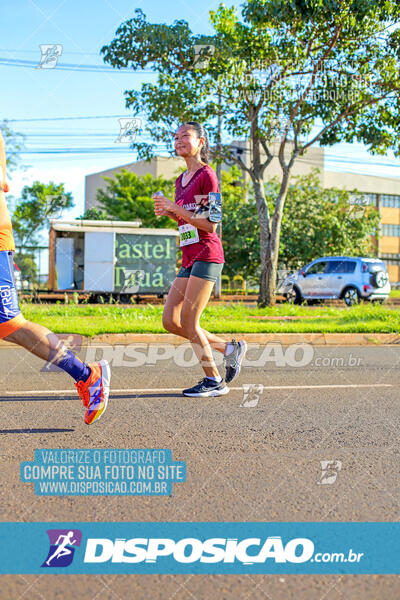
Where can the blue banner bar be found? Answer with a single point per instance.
(225, 548)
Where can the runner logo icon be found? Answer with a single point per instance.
(61, 551)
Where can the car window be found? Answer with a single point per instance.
(318, 267)
(349, 266)
(334, 266)
(341, 266)
(375, 266)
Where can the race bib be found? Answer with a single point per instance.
(188, 235)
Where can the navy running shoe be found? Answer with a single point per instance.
(206, 387)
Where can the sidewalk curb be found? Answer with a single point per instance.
(286, 339)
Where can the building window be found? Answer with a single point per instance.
(369, 199)
(390, 259)
(386, 200)
(363, 199)
(390, 201)
(390, 230)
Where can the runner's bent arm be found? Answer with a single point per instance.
(178, 211)
(187, 215)
(171, 215)
(163, 211)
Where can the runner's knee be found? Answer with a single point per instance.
(189, 324)
(170, 324)
(10, 331)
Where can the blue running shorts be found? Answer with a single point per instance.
(11, 317)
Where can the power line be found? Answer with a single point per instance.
(18, 50)
(111, 149)
(165, 148)
(79, 135)
(68, 118)
(333, 158)
(162, 147)
(147, 138)
(21, 63)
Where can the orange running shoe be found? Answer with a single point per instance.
(95, 391)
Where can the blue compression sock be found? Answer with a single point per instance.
(72, 365)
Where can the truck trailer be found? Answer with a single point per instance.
(103, 259)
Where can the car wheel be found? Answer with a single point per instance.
(293, 296)
(351, 296)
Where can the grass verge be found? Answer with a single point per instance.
(89, 320)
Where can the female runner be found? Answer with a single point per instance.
(202, 262)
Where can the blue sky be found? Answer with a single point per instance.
(48, 104)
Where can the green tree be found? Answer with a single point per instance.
(323, 222)
(14, 145)
(39, 202)
(240, 234)
(129, 196)
(317, 222)
(286, 76)
(94, 214)
(26, 263)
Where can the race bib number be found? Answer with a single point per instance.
(188, 235)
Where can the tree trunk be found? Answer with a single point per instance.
(263, 217)
(269, 256)
(257, 172)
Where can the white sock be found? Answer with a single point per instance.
(229, 348)
(216, 379)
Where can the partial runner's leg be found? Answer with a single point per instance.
(172, 314)
(215, 341)
(197, 295)
(45, 344)
(173, 306)
(93, 381)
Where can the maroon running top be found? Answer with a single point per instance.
(209, 246)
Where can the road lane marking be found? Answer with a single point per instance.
(233, 389)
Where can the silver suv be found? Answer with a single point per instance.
(352, 279)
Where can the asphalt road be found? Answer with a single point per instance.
(249, 458)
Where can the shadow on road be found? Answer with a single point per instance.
(140, 395)
(35, 398)
(74, 398)
(4, 431)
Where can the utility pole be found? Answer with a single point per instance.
(218, 285)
